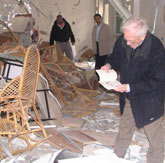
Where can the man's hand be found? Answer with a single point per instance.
(121, 88)
(106, 67)
(73, 43)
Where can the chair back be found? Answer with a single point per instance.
(29, 79)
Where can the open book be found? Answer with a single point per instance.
(108, 79)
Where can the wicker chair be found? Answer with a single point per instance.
(17, 104)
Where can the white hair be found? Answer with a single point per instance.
(136, 24)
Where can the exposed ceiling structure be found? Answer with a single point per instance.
(120, 9)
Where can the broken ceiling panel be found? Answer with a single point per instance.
(9, 11)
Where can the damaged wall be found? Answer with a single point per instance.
(149, 14)
(79, 13)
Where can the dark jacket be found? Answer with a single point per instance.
(61, 35)
(143, 69)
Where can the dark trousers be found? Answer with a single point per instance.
(99, 60)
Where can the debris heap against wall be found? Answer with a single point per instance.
(68, 83)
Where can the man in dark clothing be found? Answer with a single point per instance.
(61, 33)
(140, 58)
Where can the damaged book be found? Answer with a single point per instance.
(108, 79)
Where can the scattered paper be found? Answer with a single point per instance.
(101, 155)
(108, 79)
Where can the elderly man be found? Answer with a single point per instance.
(101, 40)
(140, 58)
(61, 32)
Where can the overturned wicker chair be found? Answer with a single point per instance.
(17, 105)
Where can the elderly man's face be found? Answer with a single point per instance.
(132, 40)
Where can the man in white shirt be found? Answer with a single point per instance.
(102, 41)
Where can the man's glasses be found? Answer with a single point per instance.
(132, 41)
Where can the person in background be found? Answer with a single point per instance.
(61, 32)
(32, 31)
(139, 56)
(101, 40)
(26, 37)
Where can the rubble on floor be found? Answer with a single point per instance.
(90, 138)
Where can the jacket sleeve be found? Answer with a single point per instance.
(71, 35)
(109, 39)
(52, 36)
(154, 78)
(114, 58)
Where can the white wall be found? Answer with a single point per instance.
(147, 9)
(79, 15)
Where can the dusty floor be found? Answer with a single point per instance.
(100, 129)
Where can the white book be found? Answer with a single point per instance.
(108, 79)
